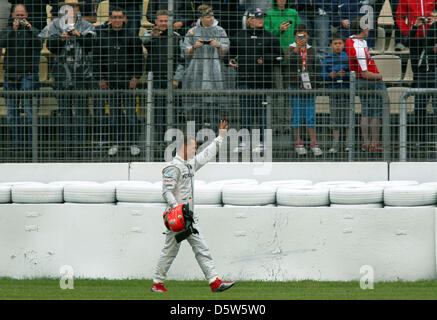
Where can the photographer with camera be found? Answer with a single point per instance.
(421, 40)
(318, 15)
(19, 39)
(204, 47)
(178, 192)
(70, 39)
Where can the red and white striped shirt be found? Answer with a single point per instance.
(359, 57)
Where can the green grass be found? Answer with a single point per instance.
(199, 290)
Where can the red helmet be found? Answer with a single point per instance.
(174, 219)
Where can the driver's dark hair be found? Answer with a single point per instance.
(185, 140)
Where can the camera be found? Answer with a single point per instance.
(426, 20)
(23, 23)
(206, 41)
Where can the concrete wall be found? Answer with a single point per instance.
(314, 171)
(47, 172)
(419, 171)
(246, 243)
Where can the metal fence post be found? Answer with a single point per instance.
(149, 116)
(351, 137)
(170, 53)
(386, 139)
(34, 130)
(403, 126)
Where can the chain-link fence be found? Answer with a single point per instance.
(286, 125)
(296, 80)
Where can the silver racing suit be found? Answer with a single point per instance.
(177, 188)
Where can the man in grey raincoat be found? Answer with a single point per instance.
(204, 46)
(70, 39)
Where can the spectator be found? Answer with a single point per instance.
(134, 13)
(350, 10)
(368, 78)
(281, 21)
(20, 39)
(263, 5)
(253, 54)
(88, 11)
(422, 55)
(37, 10)
(335, 72)
(226, 12)
(300, 72)
(5, 9)
(411, 11)
(156, 43)
(318, 15)
(118, 64)
(204, 46)
(157, 5)
(70, 39)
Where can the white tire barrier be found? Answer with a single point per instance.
(367, 205)
(410, 196)
(119, 182)
(356, 194)
(248, 195)
(5, 194)
(18, 183)
(429, 184)
(303, 196)
(139, 192)
(330, 184)
(89, 193)
(65, 183)
(235, 206)
(393, 183)
(280, 206)
(234, 181)
(207, 194)
(208, 206)
(37, 193)
(283, 183)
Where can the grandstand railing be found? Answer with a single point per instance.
(90, 131)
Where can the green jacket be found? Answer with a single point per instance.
(273, 20)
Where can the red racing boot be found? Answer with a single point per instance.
(158, 287)
(219, 286)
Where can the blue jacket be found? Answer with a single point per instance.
(334, 62)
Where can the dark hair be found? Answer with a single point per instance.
(161, 13)
(336, 36)
(356, 25)
(116, 9)
(300, 28)
(185, 140)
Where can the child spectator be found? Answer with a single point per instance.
(300, 72)
(335, 72)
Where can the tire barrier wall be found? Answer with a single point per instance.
(247, 243)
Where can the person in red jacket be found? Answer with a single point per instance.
(368, 78)
(411, 10)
